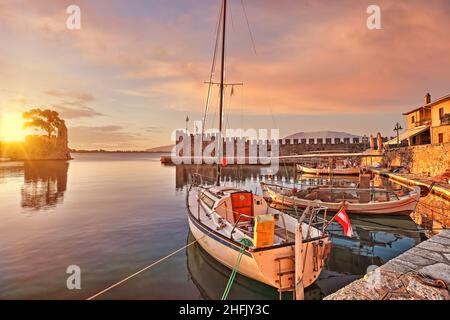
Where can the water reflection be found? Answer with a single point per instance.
(44, 184)
(142, 219)
(10, 170)
(243, 175)
(211, 277)
(376, 239)
(432, 214)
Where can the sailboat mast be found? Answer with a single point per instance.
(222, 71)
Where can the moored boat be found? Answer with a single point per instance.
(354, 200)
(328, 170)
(281, 251)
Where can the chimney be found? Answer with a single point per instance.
(427, 98)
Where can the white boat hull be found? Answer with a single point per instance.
(227, 254)
(403, 206)
(336, 171)
(260, 264)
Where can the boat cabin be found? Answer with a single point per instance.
(234, 204)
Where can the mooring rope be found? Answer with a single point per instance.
(144, 269)
(245, 244)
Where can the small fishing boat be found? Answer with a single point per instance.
(282, 251)
(329, 170)
(354, 200)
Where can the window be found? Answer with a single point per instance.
(412, 120)
(440, 138)
(207, 200)
(441, 113)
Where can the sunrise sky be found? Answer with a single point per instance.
(134, 71)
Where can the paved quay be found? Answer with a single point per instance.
(421, 273)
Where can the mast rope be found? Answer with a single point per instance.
(248, 26)
(211, 75)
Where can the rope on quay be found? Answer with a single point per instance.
(142, 270)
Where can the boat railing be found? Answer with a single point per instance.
(237, 222)
(236, 225)
(200, 179)
(373, 191)
(336, 190)
(195, 179)
(313, 215)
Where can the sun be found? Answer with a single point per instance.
(11, 124)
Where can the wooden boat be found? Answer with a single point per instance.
(285, 253)
(354, 200)
(328, 170)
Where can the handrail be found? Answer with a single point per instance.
(236, 223)
(202, 176)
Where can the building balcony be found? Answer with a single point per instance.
(424, 122)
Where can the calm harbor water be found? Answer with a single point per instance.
(113, 214)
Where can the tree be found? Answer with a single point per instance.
(46, 120)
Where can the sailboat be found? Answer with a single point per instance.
(241, 231)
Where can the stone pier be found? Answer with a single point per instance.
(421, 273)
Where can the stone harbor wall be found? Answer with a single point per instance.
(305, 148)
(427, 159)
(287, 147)
(421, 273)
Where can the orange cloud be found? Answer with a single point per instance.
(313, 57)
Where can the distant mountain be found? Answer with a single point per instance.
(161, 149)
(321, 134)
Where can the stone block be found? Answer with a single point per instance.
(441, 240)
(434, 246)
(437, 271)
(432, 256)
(396, 267)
